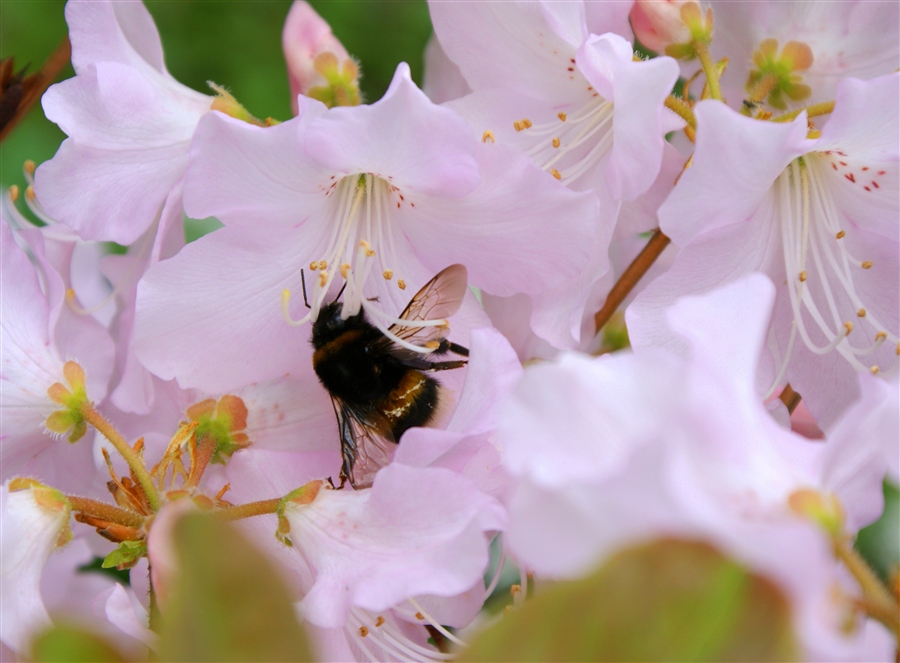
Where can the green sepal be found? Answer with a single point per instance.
(127, 555)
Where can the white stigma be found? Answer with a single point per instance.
(377, 634)
(822, 274)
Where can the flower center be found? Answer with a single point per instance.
(822, 273)
(361, 246)
(776, 76)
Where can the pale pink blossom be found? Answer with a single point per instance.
(818, 215)
(34, 522)
(40, 333)
(659, 23)
(383, 195)
(629, 448)
(845, 38)
(129, 125)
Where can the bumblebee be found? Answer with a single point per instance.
(378, 387)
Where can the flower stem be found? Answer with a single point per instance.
(886, 610)
(252, 509)
(630, 277)
(701, 48)
(135, 463)
(682, 109)
(790, 398)
(105, 511)
(822, 108)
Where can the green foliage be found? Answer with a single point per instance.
(96, 566)
(126, 555)
(72, 645)
(667, 600)
(879, 543)
(227, 603)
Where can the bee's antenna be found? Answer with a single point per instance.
(340, 292)
(303, 281)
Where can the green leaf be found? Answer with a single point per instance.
(227, 603)
(72, 645)
(125, 556)
(879, 543)
(667, 600)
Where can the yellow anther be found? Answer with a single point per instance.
(561, 116)
(874, 370)
(14, 193)
(556, 174)
(813, 133)
(524, 123)
(379, 621)
(487, 136)
(368, 247)
(861, 313)
(29, 166)
(29, 192)
(323, 279)
(866, 264)
(388, 274)
(363, 631)
(345, 268)
(515, 589)
(803, 276)
(323, 265)
(840, 234)
(849, 327)
(898, 349)
(401, 284)
(313, 266)
(556, 142)
(517, 125)
(419, 616)
(70, 294)
(880, 336)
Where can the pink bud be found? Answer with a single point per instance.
(658, 23)
(305, 36)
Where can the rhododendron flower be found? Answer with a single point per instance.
(808, 47)
(40, 333)
(818, 215)
(381, 196)
(689, 451)
(35, 521)
(129, 125)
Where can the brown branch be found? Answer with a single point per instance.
(631, 276)
(48, 73)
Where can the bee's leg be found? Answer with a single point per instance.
(447, 365)
(348, 451)
(457, 349)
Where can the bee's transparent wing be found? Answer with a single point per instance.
(364, 449)
(439, 299)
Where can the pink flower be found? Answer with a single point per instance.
(659, 23)
(818, 215)
(40, 333)
(129, 125)
(35, 521)
(845, 38)
(380, 195)
(689, 451)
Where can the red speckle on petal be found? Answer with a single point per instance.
(867, 188)
(875, 184)
(834, 165)
(882, 172)
(850, 177)
(412, 204)
(571, 69)
(865, 168)
(843, 163)
(398, 203)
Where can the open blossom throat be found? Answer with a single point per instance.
(824, 275)
(360, 246)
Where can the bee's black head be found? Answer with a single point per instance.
(329, 325)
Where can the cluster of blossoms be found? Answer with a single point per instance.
(556, 165)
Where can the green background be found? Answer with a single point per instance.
(234, 44)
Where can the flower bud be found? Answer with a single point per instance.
(318, 64)
(660, 24)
